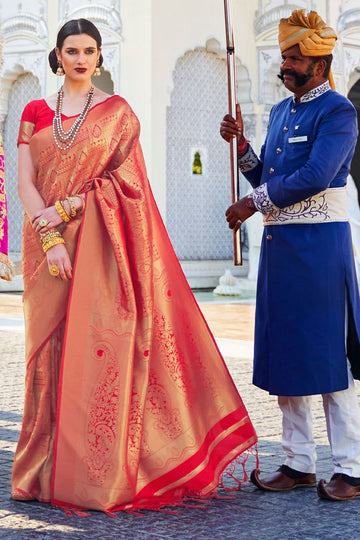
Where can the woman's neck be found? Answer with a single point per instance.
(75, 89)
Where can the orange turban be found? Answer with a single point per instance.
(310, 33)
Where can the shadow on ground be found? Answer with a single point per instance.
(249, 514)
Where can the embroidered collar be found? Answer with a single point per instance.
(314, 93)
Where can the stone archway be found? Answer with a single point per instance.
(196, 202)
(354, 97)
(25, 88)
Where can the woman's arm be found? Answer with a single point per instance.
(31, 199)
(34, 206)
(29, 195)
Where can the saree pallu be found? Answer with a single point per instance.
(6, 268)
(128, 401)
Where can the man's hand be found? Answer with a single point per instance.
(230, 128)
(238, 212)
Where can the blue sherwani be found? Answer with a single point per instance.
(306, 271)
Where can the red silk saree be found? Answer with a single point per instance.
(128, 403)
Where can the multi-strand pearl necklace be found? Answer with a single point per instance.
(64, 139)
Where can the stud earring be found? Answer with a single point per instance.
(60, 72)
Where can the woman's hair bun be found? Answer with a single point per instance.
(53, 61)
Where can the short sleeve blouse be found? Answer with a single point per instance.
(36, 116)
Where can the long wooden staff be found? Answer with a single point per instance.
(235, 183)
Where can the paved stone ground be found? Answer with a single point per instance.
(251, 515)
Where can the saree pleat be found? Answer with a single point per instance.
(147, 411)
(35, 452)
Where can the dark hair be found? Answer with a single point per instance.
(328, 59)
(71, 28)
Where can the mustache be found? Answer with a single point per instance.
(299, 80)
(290, 72)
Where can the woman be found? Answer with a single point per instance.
(128, 403)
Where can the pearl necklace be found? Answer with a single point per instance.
(64, 139)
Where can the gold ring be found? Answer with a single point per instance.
(54, 271)
(43, 222)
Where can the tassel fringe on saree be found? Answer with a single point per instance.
(128, 402)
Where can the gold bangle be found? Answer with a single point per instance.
(73, 210)
(65, 211)
(62, 212)
(51, 243)
(51, 238)
(51, 233)
(80, 210)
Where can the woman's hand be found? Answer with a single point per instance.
(57, 256)
(49, 216)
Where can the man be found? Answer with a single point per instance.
(307, 329)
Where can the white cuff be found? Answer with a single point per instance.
(248, 161)
(262, 201)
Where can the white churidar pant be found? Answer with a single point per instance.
(342, 413)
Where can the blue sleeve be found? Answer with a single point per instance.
(332, 149)
(252, 166)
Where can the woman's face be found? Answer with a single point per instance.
(79, 55)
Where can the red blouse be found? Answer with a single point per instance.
(37, 115)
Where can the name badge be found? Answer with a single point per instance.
(303, 138)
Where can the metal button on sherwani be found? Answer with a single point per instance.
(271, 170)
(285, 129)
(279, 150)
(293, 111)
(268, 237)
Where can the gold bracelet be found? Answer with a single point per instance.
(62, 212)
(51, 233)
(50, 238)
(65, 211)
(73, 210)
(52, 242)
(80, 210)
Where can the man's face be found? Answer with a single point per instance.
(295, 70)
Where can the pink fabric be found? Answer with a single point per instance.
(5, 264)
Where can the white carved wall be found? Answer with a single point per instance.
(196, 203)
(24, 89)
(23, 77)
(25, 50)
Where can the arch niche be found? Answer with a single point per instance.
(197, 196)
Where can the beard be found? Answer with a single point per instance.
(299, 79)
